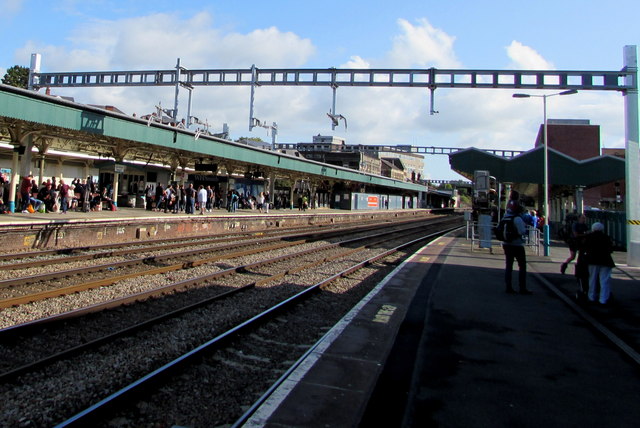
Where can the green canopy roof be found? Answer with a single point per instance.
(528, 167)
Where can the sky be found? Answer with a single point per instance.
(108, 35)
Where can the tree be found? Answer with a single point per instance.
(252, 139)
(17, 76)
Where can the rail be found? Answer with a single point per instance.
(481, 238)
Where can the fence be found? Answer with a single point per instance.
(481, 236)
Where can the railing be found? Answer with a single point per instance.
(486, 239)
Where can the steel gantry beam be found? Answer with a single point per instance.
(396, 78)
(624, 81)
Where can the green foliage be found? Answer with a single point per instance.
(465, 200)
(17, 76)
(254, 139)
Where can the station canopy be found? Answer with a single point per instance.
(528, 167)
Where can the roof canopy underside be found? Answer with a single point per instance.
(73, 127)
(528, 167)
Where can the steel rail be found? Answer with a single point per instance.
(5, 303)
(155, 245)
(114, 253)
(95, 411)
(155, 242)
(21, 329)
(252, 409)
(144, 295)
(14, 301)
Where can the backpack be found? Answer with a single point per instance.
(506, 230)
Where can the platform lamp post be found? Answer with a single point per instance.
(547, 213)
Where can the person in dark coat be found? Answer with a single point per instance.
(578, 229)
(598, 249)
(514, 250)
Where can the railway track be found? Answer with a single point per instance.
(246, 291)
(117, 265)
(239, 277)
(30, 259)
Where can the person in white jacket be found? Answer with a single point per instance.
(202, 199)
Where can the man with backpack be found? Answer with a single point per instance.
(510, 231)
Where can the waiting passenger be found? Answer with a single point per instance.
(46, 196)
(64, 196)
(598, 248)
(202, 199)
(25, 191)
(190, 195)
(148, 197)
(159, 197)
(514, 249)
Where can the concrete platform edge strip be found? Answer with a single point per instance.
(261, 416)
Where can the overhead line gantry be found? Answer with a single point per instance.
(624, 81)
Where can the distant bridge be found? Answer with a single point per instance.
(431, 150)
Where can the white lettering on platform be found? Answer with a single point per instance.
(384, 314)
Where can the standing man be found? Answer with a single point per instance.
(64, 193)
(514, 248)
(210, 198)
(178, 202)
(202, 199)
(190, 194)
(159, 196)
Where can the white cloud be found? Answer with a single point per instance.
(422, 45)
(485, 118)
(356, 62)
(10, 7)
(526, 58)
(155, 41)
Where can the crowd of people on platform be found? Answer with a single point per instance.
(54, 195)
(188, 199)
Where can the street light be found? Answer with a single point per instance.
(547, 213)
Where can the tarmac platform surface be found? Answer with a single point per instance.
(440, 344)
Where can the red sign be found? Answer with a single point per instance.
(372, 201)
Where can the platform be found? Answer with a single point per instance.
(439, 343)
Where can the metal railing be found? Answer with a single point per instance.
(478, 238)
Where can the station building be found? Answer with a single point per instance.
(50, 137)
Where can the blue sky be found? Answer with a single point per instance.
(122, 35)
